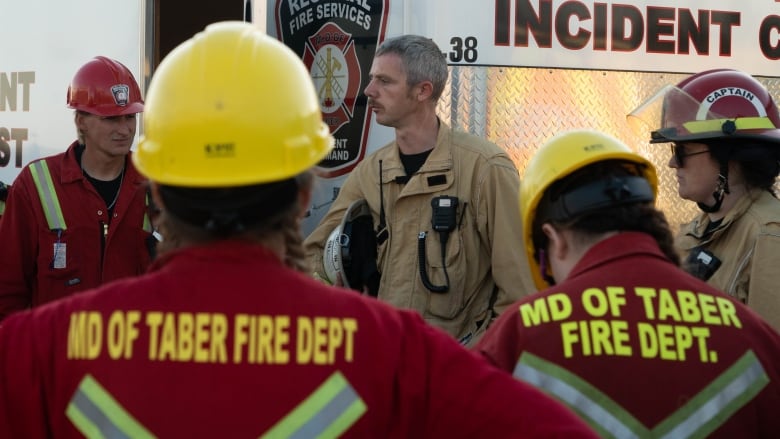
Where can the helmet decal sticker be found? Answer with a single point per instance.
(725, 92)
(105, 87)
(121, 94)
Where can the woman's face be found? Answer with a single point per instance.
(697, 171)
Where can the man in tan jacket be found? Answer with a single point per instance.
(443, 203)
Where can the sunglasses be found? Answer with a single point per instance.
(679, 153)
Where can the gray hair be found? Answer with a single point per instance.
(421, 58)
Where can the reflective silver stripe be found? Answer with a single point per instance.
(48, 195)
(95, 414)
(727, 394)
(100, 423)
(700, 416)
(575, 399)
(327, 413)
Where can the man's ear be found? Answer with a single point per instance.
(78, 118)
(424, 91)
(558, 246)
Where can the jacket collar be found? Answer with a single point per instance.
(228, 252)
(699, 226)
(71, 168)
(441, 156)
(620, 246)
(440, 159)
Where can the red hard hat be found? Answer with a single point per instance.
(105, 87)
(714, 104)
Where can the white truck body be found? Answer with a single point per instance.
(44, 44)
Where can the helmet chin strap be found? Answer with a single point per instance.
(721, 189)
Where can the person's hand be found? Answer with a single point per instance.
(324, 279)
(320, 278)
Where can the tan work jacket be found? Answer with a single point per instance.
(484, 252)
(748, 244)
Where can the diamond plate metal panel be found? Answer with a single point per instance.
(520, 108)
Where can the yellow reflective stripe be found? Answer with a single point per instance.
(699, 417)
(97, 415)
(327, 413)
(147, 223)
(716, 125)
(47, 195)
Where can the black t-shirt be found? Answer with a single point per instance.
(712, 226)
(108, 190)
(413, 162)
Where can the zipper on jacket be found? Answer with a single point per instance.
(103, 237)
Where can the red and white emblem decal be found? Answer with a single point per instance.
(331, 58)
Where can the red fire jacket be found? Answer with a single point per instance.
(642, 349)
(224, 341)
(38, 264)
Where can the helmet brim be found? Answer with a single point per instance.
(110, 110)
(758, 135)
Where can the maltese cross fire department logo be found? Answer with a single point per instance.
(336, 39)
(333, 63)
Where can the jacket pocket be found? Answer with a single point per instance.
(58, 271)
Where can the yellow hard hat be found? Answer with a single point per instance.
(231, 106)
(561, 156)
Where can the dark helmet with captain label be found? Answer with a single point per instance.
(730, 112)
(714, 104)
